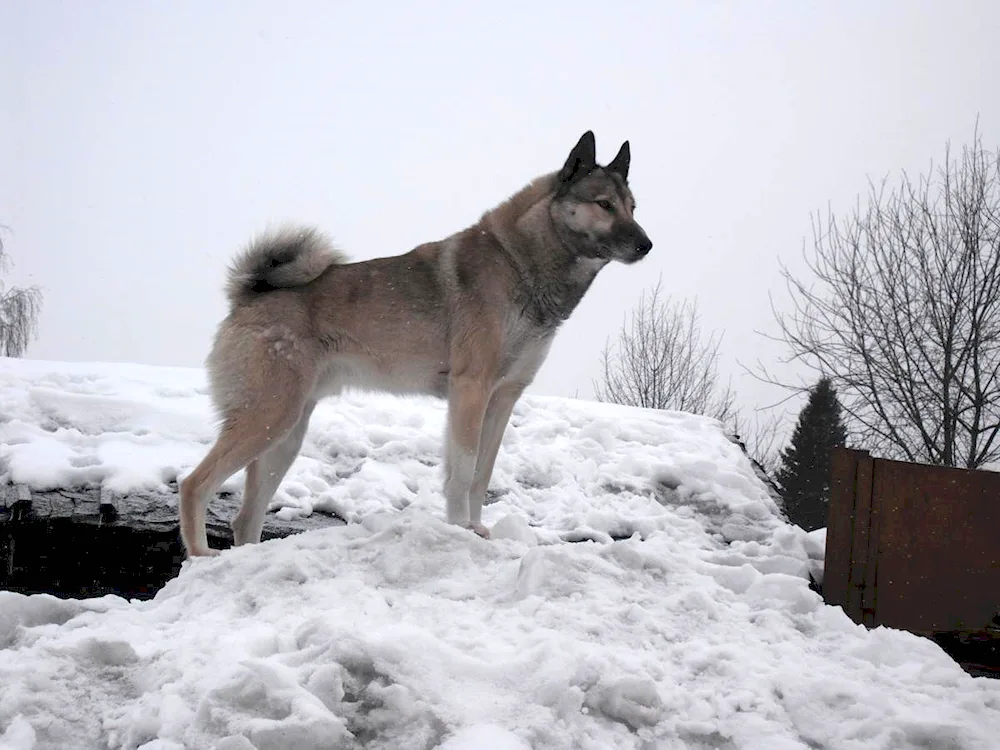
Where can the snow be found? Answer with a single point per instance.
(641, 591)
(815, 545)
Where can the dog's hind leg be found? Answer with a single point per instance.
(263, 476)
(266, 421)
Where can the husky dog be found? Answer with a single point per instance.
(469, 318)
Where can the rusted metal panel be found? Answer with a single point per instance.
(860, 541)
(839, 525)
(913, 546)
(880, 488)
(938, 550)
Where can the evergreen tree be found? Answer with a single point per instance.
(804, 475)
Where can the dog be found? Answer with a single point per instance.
(469, 318)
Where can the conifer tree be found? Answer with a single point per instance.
(804, 475)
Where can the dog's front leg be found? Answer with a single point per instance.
(498, 411)
(467, 399)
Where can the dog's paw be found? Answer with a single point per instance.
(479, 529)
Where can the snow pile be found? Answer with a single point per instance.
(683, 619)
(128, 427)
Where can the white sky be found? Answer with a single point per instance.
(142, 143)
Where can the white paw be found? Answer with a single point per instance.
(479, 529)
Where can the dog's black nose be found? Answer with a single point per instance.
(645, 246)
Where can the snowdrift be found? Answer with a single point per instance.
(641, 592)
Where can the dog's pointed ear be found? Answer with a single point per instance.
(620, 163)
(582, 159)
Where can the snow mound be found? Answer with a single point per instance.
(640, 592)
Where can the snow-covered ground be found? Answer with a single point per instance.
(640, 592)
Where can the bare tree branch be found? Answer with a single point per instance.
(19, 309)
(902, 310)
(760, 436)
(659, 361)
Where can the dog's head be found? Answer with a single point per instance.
(592, 207)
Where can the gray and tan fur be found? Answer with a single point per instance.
(468, 318)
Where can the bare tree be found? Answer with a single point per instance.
(19, 308)
(660, 361)
(760, 436)
(902, 311)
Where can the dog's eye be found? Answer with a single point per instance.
(606, 205)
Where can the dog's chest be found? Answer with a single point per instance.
(525, 349)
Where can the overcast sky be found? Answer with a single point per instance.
(142, 143)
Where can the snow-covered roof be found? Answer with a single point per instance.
(683, 619)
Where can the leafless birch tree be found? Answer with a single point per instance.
(19, 308)
(759, 434)
(660, 361)
(902, 310)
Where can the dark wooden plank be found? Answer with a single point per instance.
(881, 488)
(145, 511)
(859, 538)
(839, 525)
(8, 496)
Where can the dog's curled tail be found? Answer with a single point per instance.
(280, 259)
